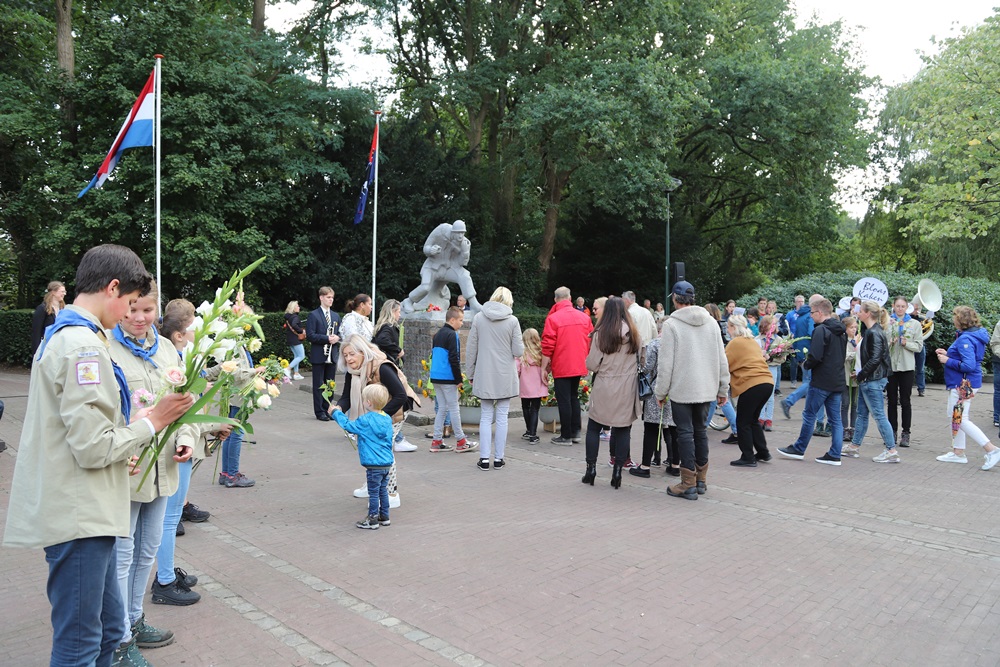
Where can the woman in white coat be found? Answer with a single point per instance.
(494, 342)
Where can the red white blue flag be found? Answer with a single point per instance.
(137, 131)
(369, 179)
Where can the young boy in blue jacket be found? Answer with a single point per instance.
(374, 431)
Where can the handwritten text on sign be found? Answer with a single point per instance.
(871, 289)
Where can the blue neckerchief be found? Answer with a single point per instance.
(249, 358)
(69, 318)
(906, 318)
(135, 348)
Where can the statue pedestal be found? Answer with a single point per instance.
(418, 337)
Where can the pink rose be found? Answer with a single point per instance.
(174, 376)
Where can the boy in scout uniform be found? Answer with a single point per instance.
(70, 492)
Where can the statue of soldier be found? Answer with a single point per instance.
(447, 251)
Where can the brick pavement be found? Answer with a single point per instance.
(792, 563)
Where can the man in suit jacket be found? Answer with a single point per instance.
(322, 330)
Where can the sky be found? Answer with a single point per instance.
(889, 33)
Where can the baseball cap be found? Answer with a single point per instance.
(683, 288)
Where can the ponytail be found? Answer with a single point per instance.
(883, 318)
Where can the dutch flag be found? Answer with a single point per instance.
(137, 131)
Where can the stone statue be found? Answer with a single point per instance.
(447, 252)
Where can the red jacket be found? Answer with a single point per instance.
(566, 340)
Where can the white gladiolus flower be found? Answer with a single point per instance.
(217, 327)
(196, 324)
(205, 309)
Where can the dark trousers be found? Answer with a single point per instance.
(619, 444)
(668, 442)
(530, 408)
(899, 388)
(321, 373)
(88, 615)
(568, 398)
(749, 432)
(849, 406)
(692, 436)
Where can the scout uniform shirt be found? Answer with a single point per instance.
(142, 374)
(71, 478)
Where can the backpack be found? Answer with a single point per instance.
(411, 396)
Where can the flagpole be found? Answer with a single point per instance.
(156, 151)
(378, 139)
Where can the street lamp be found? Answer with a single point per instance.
(672, 185)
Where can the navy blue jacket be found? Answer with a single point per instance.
(316, 334)
(446, 364)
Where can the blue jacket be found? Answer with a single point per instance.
(804, 326)
(446, 365)
(965, 358)
(374, 431)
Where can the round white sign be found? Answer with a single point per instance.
(871, 289)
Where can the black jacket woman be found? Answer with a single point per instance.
(874, 368)
(387, 331)
(45, 313)
(293, 329)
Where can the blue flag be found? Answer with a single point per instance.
(369, 179)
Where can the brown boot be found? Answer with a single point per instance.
(686, 487)
(701, 473)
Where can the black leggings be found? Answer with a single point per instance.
(749, 432)
(619, 444)
(530, 407)
(899, 388)
(650, 436)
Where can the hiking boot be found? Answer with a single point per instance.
(822, 431)
(193, 514)
(239, 481)
(223, 478)
(370, 522)
(686, 488)
(439, 446)
(464, 445)
(175, 593)
(127, 655)
(146, 636)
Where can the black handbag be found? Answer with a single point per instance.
(645, 386)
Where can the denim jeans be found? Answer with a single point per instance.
(135, 557)
(802, 391)
(872, 401)
(568, 399)
(920, 358)
(172, 515)
(298, 356)
(87, 621)
(232, 446)
(448, 394)
(378, 491)
(767, 414)
(816, 400)
(728, 410)
(488, 440)
(692, 436)
(793, 370)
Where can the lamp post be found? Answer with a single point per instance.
(672, 185)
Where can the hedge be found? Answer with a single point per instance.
(983, 295)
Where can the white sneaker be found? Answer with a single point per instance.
(404, 445)
(297, 377)
(951, 457)
(393, 500)
(886, 457)
(992, 458)
(361, 493)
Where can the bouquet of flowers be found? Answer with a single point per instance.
(584, 393)
(217, 333)
(274, 370)
(424, 385)
(778, 350)
(466, 398)
(550, 400)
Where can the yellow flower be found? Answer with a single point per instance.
(259, 384)
(284, 363)
(230, 366)
(420, 383)
(246, 327)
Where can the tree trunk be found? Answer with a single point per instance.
(64, 37)
(555, 183)
(257, 22)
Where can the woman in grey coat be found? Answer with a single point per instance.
(494, 342)
(614, 398)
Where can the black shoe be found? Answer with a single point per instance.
(498, 463)
(743, 463)
(525, 436)
(533, 439)
(189, 579)
(323, 417)
(673, 472)
(616, 477)
(777, 392)
(762, 458)
(731, 440)
(828, 460)
(590, 475)
(559, 440)
(180, 529)
(193, 514)
(655, 463)
(175, 593)
(639, 472)
(484, 464)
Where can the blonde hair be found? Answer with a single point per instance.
(599, 301)
(290, 308)
(966, 318)
(50, 297)
(532, 346)
(849, 322)
(739, 325)
(385, 315)
(880, 314)
(376, 395)
(503, 295)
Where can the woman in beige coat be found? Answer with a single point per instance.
(614, 399)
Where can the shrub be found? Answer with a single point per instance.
(15, 337)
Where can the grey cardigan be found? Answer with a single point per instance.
(494, 342)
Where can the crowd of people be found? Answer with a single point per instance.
(104, 532)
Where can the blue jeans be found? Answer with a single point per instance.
(871, 401)
(87, 620)
(793, 370)
(920, 358)
(768, 412)
(817, 399)
(728, 410)
(135, 557)
(175, 506)
(299, 355)
(378, 492)
(231, 447)
(807, 375)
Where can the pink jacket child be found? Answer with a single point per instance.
(534, 387)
